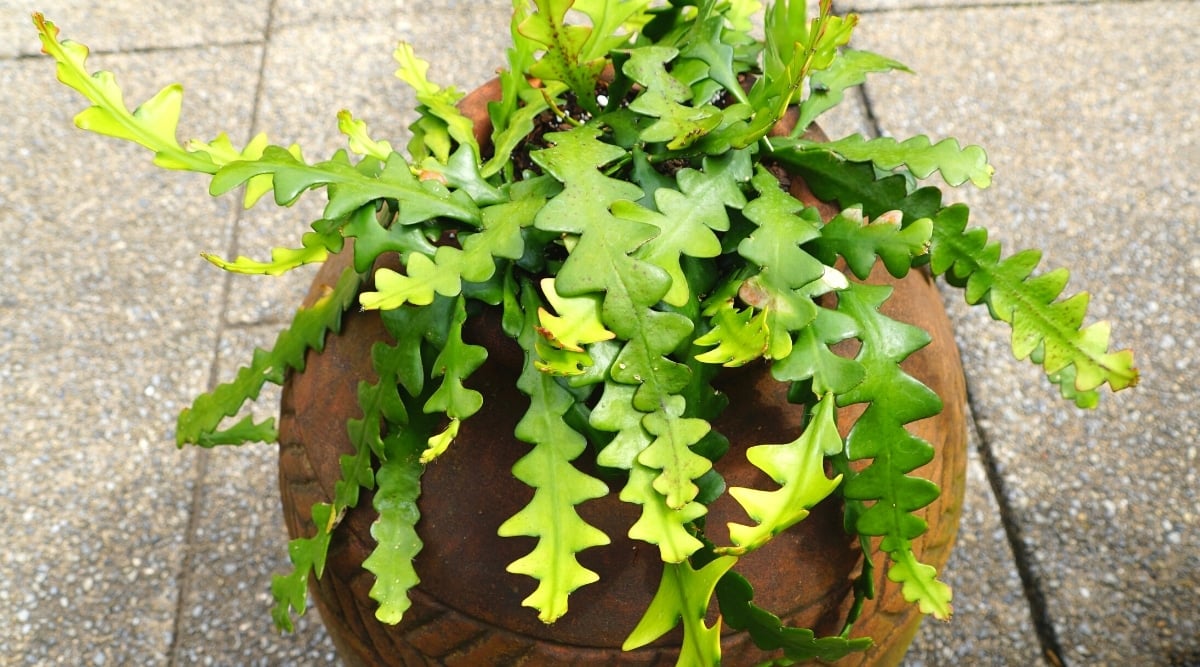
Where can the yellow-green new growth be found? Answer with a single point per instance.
(558, 486)
(798, 467)
(683, 595)
(153, 124)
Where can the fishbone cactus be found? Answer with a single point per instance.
(627, 217)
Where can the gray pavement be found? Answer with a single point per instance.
(1080, 541)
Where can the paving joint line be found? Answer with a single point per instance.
(873, 125)
(1043, 624)
(145, 50)
(223, 325)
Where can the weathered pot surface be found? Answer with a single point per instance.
(467, 609)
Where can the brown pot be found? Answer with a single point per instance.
(467, 609)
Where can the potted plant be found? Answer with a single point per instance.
(634, 225)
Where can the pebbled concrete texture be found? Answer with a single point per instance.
(125, 26)
(1079, 543)
(225, 588)
(991, 620)
(1093, 148)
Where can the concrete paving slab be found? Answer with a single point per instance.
(239, 542)
(1093, 147)
(104, 337)
(120, 26)
(870, 6)
(991, 623)
(290, 13)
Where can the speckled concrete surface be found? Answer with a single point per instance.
(1094, 149)
(114, 557)
(128, 26)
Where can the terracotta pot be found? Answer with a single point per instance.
(467, 609)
